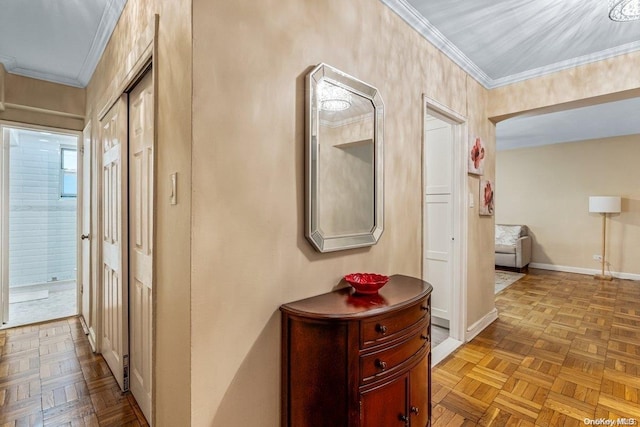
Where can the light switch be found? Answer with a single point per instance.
(472, 202)
(174, 188)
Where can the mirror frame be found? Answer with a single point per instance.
(312, 230)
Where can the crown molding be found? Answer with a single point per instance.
(569, 63)
(53, 78)
(8, 61)
(419, 23)
(108, 21)
(11, 66)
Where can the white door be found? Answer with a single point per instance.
(115, 325)
(85, 226)
(141, 145)
(439, 217)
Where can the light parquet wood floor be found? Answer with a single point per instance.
(565, 348)
(49, 376)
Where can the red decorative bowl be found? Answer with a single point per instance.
(366, 283)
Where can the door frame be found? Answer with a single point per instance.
(459, 223)
(4, 213)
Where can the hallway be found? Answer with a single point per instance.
(50, 376)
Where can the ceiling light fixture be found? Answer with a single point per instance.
(624, 10)
(332, 97)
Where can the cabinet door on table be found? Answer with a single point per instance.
(386, 406)
(419, 399)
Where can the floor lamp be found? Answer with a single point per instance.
(604, 205)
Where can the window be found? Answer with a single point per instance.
(68, 173)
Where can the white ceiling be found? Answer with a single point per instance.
(56, 40)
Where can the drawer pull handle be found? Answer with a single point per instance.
(424, 308)
(404, 418)
(415, 410)
(380, 364)
(381, 328)
(425, 337)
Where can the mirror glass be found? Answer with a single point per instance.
(344, 161)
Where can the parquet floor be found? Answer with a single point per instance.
(50, 377)
(565, 348)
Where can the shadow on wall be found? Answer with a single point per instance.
(253, 397)
(538, 254)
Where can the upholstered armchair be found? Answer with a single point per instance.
(513, 246)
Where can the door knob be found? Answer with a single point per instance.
(84, 236)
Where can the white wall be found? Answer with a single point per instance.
(42, 225)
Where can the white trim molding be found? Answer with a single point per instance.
(442, 350)
(108, 21)
(581, 270)
(481, 324)
(419, 23)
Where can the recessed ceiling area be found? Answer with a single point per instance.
(56, 40)
(579, 124)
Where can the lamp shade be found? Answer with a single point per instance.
(604, 204)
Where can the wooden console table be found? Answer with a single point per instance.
(358, 361)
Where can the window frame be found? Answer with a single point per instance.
(67, 171)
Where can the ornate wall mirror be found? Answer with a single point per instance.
(344, 160)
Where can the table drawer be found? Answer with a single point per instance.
(386, 328)
(378, 364)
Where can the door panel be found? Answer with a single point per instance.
(114, 343)
(141, 156)
(438, 217)
(438, 154)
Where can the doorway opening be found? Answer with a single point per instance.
(445, 225)
(39, 224)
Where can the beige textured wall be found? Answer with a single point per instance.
(249, 253)
(49, 97)
(611, 79)
(548, 189)
(172, 280)
(481, 240)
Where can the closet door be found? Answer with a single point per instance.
(115, 324)
(141, 144)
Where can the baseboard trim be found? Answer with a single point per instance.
(92, 340)
(479, 326)
(580, 270)
(442, 350)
